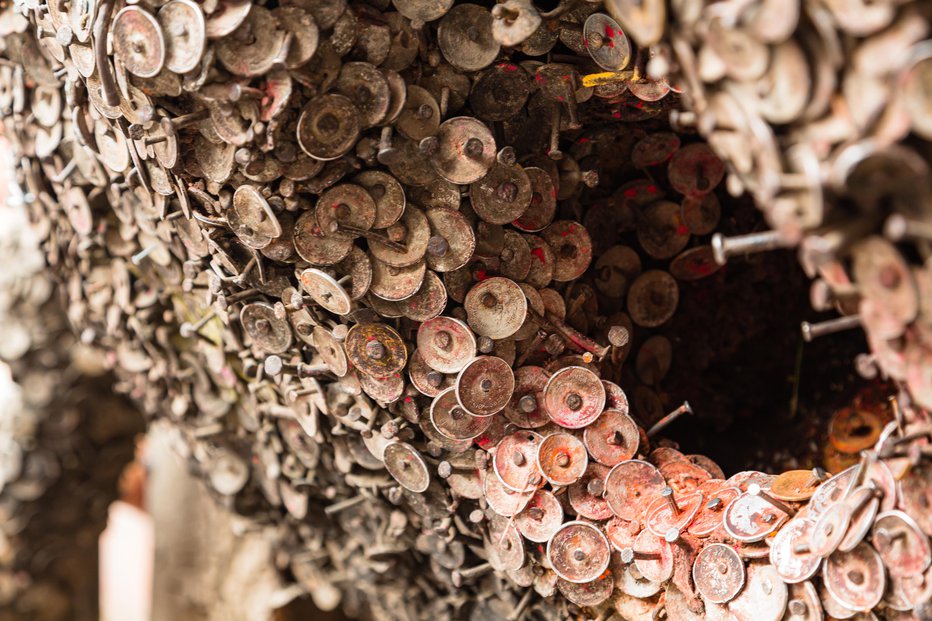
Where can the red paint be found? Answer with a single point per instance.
(582, 140)
(652, 189)
(630, 193)
(616, 114)
(481, 275)
(539, 253)
(407, 399)
(682, 230)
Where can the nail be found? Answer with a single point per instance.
(344, 504)
(815, 330)
(723, 247)
(274, 366)
(140, 256)
(554, 152)
(387, 154)
(189, 329)
(629, 555)
(662, 424)
(754, 489)
(667, 494)
(459, 574)
(899, 227)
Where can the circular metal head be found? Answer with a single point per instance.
(683, 476)
(612, 438)
(346, 204)
(586, 495)
(388, 194)
(254, 212)
(428, 302)
(326, 291)
(883, 275)
(425, 379)
(228, 473)
(562, 458)
(446, 344)
(375, 349)
(515, 259)
(653, 556)
(589, 593)
(465, 150)
(789, 553)
(574, 397)
(465, 37)
(368, 89)
(701, 214)
(764, 595)
(305, 35)
(653, 298)
(396, 283)
(543, 202)
(515, 461)
(829, 529)
(485, 385)
(420, 116)
(653, 359)
(856, 579)
(525, 409)
(515, 22)
(254, 47)
(631, 487)
(383, 390)
(502, 500)
(453, 239)
(661, 231)
(864, 506)
(268, 332)
(185, 31)
(695, 170)
(901, 544)
(358, 268)
(453, 421)
(500, 92)
(331, 351)
(654, 149)
(138, 42)
(606, 43)
(317, 247)
(407, 466)
(916, 495)
(803, 604)
(328, 126)
(578, 552)
(422, 11)
(616, 269)
(541, 518)
(496, 307)
(718, 572)
(750, 518)
(505, 547)
(572, 249)
(694, 264)
(412, 230)
(502, 195)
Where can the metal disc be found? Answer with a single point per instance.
(375, 349)
(792, 565)
(612, 438)
(562, 458)
(578, 552)
(515, 461)
(485, 385)
(719, 573)
(574, 397)
(495, 307)
(631, 487)
(407, 466)
(138, 42)
(856, 579)
(453, 421)
(185, 31)
(446, 344)
(326, 291)
(541, 518)
(572, 249)
(466, 149)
